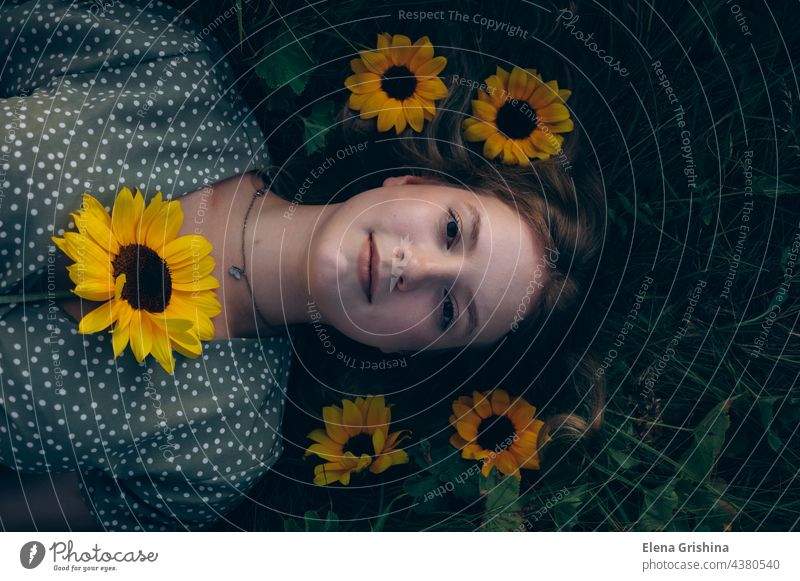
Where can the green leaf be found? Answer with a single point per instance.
(291, 526)
(315, 524)
(624, 460)
(765, 407)
(567, 510)
(284, 64)
(418, 486)
(503, 504)
(421, 454)
(658, 508)
(709, 435)
(317, 125)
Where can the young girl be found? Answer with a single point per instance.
(450, 255)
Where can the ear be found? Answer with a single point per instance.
(405, 180)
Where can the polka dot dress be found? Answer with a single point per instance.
(94, 95)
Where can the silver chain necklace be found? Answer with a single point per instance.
(239, 272)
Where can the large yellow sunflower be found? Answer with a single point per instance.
(158, 288)
(519, 117)
(397, 82)
(356, 436)
(492, 428)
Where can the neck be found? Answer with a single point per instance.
(277, 245)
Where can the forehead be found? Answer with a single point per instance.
(507, 267)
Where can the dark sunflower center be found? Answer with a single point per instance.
(495, 433)
(360, 444)
(399, 82)
(516, 120)
(148, 284)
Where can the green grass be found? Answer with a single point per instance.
(715, 445)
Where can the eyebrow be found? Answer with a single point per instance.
(474, 234)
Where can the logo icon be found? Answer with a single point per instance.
(400, 257)
(31, 554)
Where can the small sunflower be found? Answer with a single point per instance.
(519, 117)
(502, 433)
(356, 436)
(158, 288)
(397, 82)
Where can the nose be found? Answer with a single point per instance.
(417, 267)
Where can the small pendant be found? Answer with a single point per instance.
(235, 272)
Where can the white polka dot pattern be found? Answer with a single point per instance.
(91, 99)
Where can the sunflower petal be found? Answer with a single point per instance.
(500, 401)
(363, 83)
(165, 225)
(384, 40)
(124, 218)
(502, 74)
(518, 83)
(493, 145)
(480, 131)
(357, 101)
(98, 319)
(412, 107)
(423, 54)
(375, 61)
(401, 51)
(358, 66)
(484, 111)
(545, 94)
(388, 115)
(379, 440)
(320, 436)
(481, 405)
(432, 67)
(374, 104)
(332, 415)
(120, 338)
(553, 112)
(432, 89)
(161, 349)
(140, 335)
(352, 418)
(467, 430)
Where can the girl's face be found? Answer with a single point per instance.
(413, 265)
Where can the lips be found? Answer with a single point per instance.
(375, 270)
(365, 267)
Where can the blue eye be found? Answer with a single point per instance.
(447, 311)
(453, 227)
